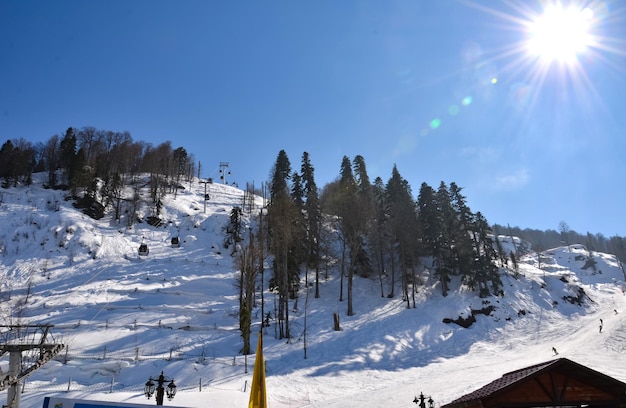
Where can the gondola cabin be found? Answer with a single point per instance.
(175, 242)
(143, 250)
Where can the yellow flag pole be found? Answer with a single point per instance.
(258, 394)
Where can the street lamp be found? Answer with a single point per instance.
(421, 400)
(151, 386)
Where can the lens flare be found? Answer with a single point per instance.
(555, 45)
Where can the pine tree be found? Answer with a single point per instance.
(362, 179)
(68, 155)
(298, 247)
(460, 226)
(297, 193)
(428, 222)
(378, 234)
(403, 227)
(365, 209)
(280, 230)
(444, 258)
(7, 164)
(313, 219)
(349, 224)
(486, 271)
(234, 227)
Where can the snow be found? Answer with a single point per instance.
(125, 318)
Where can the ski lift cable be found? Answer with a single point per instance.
(82, 331)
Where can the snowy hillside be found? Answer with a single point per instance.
(125, 317)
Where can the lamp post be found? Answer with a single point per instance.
(151, 387)
(421, 400)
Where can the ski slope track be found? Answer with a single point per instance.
(124, 318)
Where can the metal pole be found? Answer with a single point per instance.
(160, 391)
(13, 393)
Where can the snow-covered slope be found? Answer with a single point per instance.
(125, 317)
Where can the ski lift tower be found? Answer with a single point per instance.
(29, 348)
(223, 172)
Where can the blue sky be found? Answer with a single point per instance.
(444, 89)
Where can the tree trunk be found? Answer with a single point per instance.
(350, 276)
(393, 277)
(343, 263)
(317, 269)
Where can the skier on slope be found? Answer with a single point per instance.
(601, 323)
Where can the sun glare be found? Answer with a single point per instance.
(543, 49)
(560, 34)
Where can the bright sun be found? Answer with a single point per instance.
(560, 34)
(553, 44)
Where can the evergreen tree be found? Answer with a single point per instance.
(234, 227)
(349, 224)
(297, 192)
(298, 248)
(7, 164)
(79, 178)
(378, 234)
(67, 157)
(280, 175)
(459, 226)
(365, 210)
(403, 227)
(444, 258)
(313, 219)
(17, 161)
(428, 219)
(486, 272)
(362, 179)
(280, 230)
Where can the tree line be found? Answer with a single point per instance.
(546, 239)
(98, 163)
(377, 230)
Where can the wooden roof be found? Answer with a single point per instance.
(559, 382)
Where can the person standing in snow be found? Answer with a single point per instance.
(601, 325)
(554, 351)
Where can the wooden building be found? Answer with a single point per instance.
(556, 383)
